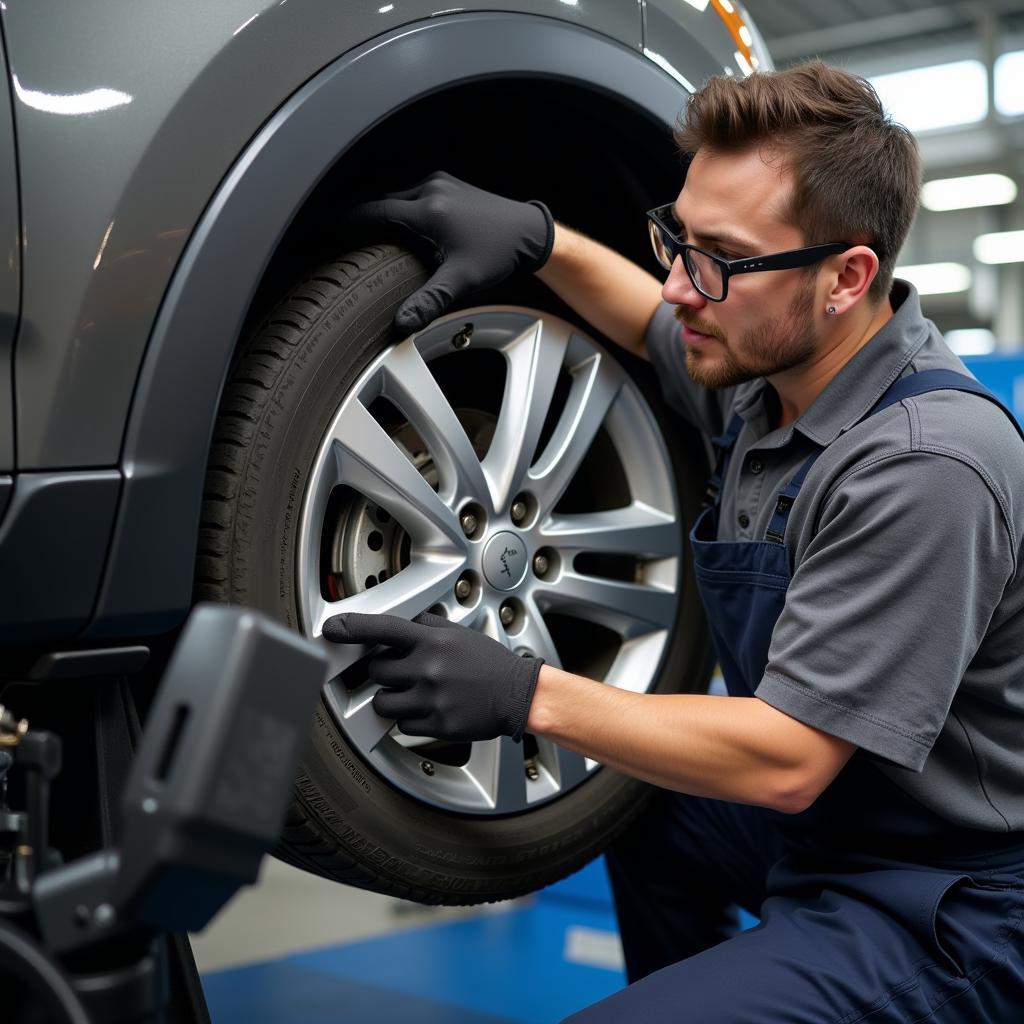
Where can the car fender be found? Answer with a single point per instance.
(148, 581)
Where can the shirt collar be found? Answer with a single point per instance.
(862, 381)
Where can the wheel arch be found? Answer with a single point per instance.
(228, 264)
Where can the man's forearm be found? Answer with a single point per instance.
(736, 748)
(615, 295)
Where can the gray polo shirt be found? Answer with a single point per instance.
(903, 628)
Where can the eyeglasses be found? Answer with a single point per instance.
(710, 273)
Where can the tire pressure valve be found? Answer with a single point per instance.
(463, 337)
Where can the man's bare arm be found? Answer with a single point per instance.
(607, 290)
(737, 748)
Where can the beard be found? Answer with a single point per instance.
(773, 346)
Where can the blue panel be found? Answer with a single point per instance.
(1004, 375)
(506, 967)
(510, 963)
(282, 992)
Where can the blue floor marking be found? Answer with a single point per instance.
(501, 968)
(284, 992)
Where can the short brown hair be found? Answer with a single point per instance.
(857, 173)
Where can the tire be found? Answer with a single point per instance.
(388, 813)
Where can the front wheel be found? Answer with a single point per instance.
(500, 468)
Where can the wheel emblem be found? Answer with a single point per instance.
(505, 561)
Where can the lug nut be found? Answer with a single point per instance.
(541, 564)
(469, 524)
(507, 614)
(463, 589)
(532, 772)
(518, 511)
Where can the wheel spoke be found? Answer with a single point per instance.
(566, 766)
(412, 387)
(637, 530)
(419, 585)
(363, 726)
(368, 460)
(339, 656)
(630, 668)
(498, 770)
(536, 637)
(534, 359)
(596, 384)
(629, 609)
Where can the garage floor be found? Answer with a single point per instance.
(296, 948)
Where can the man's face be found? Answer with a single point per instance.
(733, 205)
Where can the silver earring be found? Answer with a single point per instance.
(831, 311)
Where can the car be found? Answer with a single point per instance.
(203, 397)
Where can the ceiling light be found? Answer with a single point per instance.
(935, 97)
(974, 190)
(973, 341)
(1000, 247)
(936, 278)
(1008, 74)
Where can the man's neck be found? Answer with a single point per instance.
(798, 388)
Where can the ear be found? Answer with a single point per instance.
(857, 268)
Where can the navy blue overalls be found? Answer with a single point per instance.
(872, 907)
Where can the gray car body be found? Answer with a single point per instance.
(151, 159)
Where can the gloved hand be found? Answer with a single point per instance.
(477, 238)
(440, 679)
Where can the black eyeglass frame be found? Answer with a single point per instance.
(788, 260)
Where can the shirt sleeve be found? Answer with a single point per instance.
(704, 408)
(890, 603)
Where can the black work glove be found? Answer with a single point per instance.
(440, 679)
(477, 238)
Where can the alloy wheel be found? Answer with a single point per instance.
(502, 469)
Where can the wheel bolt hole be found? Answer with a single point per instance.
(472, 520)
(381, 516)
(467, 589)
(375, 541)
(370, 581)
(512, 616)
(546, 564)
(523, 510)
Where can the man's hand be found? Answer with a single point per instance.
(442, 680)
(477, 238)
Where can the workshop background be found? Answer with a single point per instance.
(297, 948)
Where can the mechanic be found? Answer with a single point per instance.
(862, 786)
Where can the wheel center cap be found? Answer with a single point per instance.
(505, 561)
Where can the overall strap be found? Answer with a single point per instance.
(938, 380)
(723, 445)
(908, 387)
(777, 527)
